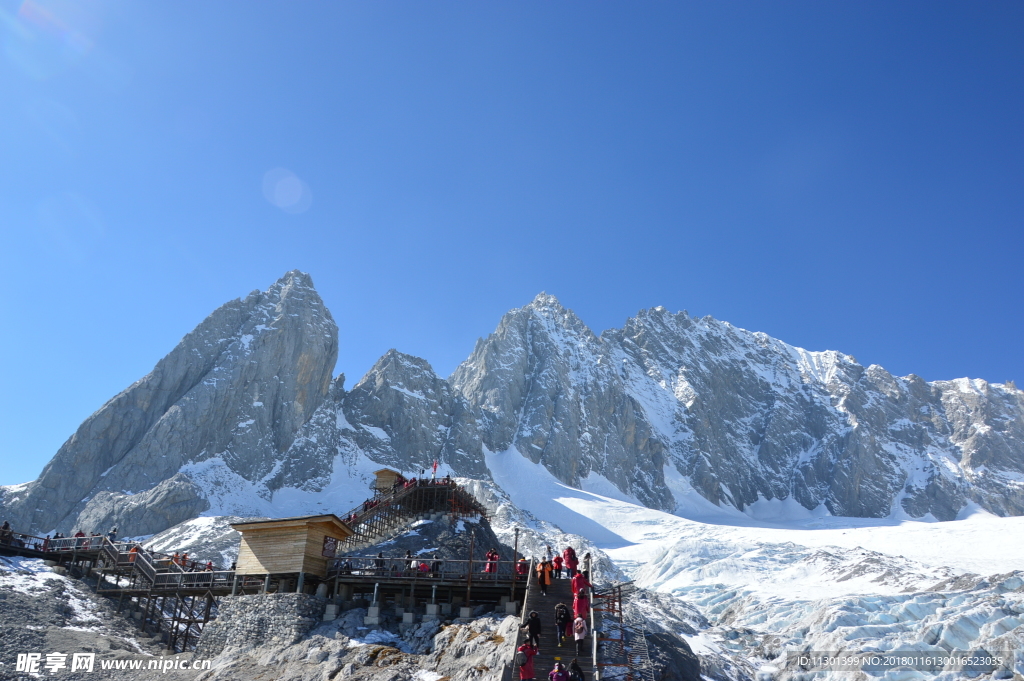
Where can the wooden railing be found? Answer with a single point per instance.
(194, 580)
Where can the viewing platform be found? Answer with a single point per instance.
(313, 555)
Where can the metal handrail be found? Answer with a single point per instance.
(372, 567)
(522, 618)
(33, 542)
(361, 512)
(119, 552)
(593, 627)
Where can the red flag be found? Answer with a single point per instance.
(435, 465)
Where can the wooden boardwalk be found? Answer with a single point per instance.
(176, 602)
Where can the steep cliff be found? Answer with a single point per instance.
(234, 392)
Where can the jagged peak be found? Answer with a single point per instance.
(544, 300)
(293, 284)
(295, 278)
(393, 359)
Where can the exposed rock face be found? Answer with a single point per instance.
(746, 416)
(544, 384)
(410, 417)
(235, 389)
(43, 610)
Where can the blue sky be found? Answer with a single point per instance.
(841, 176)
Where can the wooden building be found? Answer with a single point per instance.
(386, 479)
(300, 546)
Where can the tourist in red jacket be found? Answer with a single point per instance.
(526, 668)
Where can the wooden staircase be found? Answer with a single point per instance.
(560, 591)
(388, 514)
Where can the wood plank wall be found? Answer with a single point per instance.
(292, 549)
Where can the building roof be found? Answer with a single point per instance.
(297, 521)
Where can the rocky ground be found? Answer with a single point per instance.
(460, 650)
(46, 612)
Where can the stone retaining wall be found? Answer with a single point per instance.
(246, 621)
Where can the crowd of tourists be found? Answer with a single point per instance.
(570, 622)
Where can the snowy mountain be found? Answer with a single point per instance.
(669, 402)
(242, 418)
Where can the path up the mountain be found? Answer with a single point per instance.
(560, 591)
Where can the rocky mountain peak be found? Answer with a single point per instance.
(228, 400)
(545, 300)
(397, 368)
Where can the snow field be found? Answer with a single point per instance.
(802, 580)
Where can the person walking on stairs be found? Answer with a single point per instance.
(544, 576)
(558, 673)
(524, 658)
(581, 580)
(575, 672)
(579, 631)
(533, 629)
(581, 604)
(563, 622)
(571, 561)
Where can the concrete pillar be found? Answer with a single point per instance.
(301, 583)
(409, 618)
(511, 608)
(321, 590)
(465, 612)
